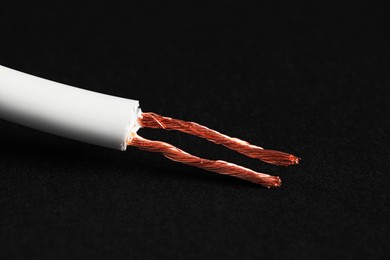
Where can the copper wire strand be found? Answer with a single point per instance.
(153, 120)
(175, 154)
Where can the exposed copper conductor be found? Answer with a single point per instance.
(152, 120)
(175, 154)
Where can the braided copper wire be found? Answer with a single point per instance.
(152, 120)
(175, 154)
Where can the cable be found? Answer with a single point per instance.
(113, 122)
(67, 111)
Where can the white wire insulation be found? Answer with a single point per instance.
(67, 111)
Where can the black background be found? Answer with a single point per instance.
(303, 78)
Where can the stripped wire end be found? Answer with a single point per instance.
(153, 120)
(175, 154)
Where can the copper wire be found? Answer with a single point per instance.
(153, 120)
(175, 154)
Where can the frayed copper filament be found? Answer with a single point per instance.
(152, 120)
(175, 154)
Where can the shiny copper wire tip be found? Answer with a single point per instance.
(153, 120)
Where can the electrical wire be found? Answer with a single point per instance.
(113, 122)
(153, 120)
(175, 154)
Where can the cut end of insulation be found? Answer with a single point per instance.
(132, 129)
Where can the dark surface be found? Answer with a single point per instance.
(307, 79)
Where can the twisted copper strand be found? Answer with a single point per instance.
(152, 120)
(175, 154)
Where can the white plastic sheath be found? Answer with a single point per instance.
(67, 111)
